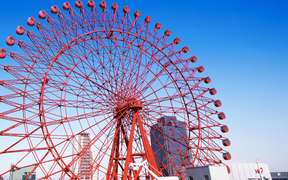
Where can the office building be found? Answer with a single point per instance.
(170, 145)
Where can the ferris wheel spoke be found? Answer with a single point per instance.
(148, 66)
(92, 81)
(75, 118)
(74, 90)
(36, 148)
(145, 83)
(101, 153)
(171, 98)
(85, 149)
(19, 141)
(109, 68)
(23, 150)
(168, 108)
(99, 158)
(108, 81)
(90, 127)
(65, 141)
(19, 120)
(17, 108)
(89, 105)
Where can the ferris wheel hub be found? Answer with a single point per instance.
(130, 103)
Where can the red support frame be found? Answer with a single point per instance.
(137, 122)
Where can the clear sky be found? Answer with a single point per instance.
(244, 46)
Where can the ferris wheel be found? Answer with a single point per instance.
(88, 90)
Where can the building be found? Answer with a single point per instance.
(20, 174)
(85, 169)
(249, 171)
(279, 175)
(170, 145)
(242, 171)
(207, 173)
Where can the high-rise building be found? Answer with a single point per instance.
(85, 165)
(170, 145)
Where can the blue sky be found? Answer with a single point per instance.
(244, 46)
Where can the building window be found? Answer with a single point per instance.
(206, 177)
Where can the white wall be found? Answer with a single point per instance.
(246, 171)
(213, 172)
(243, 171)
(218, 173)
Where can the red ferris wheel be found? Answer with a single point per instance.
(87, 91)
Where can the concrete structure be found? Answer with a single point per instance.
(243, 171)
(169, 143)
(85, 160)
(279, 175)
(249, 171)
(207, 173)
(20, 174)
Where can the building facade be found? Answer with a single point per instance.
(250, 171)
(242, 171)
(279, 175)
(85, 169)
(207, 173)
(170, 145)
